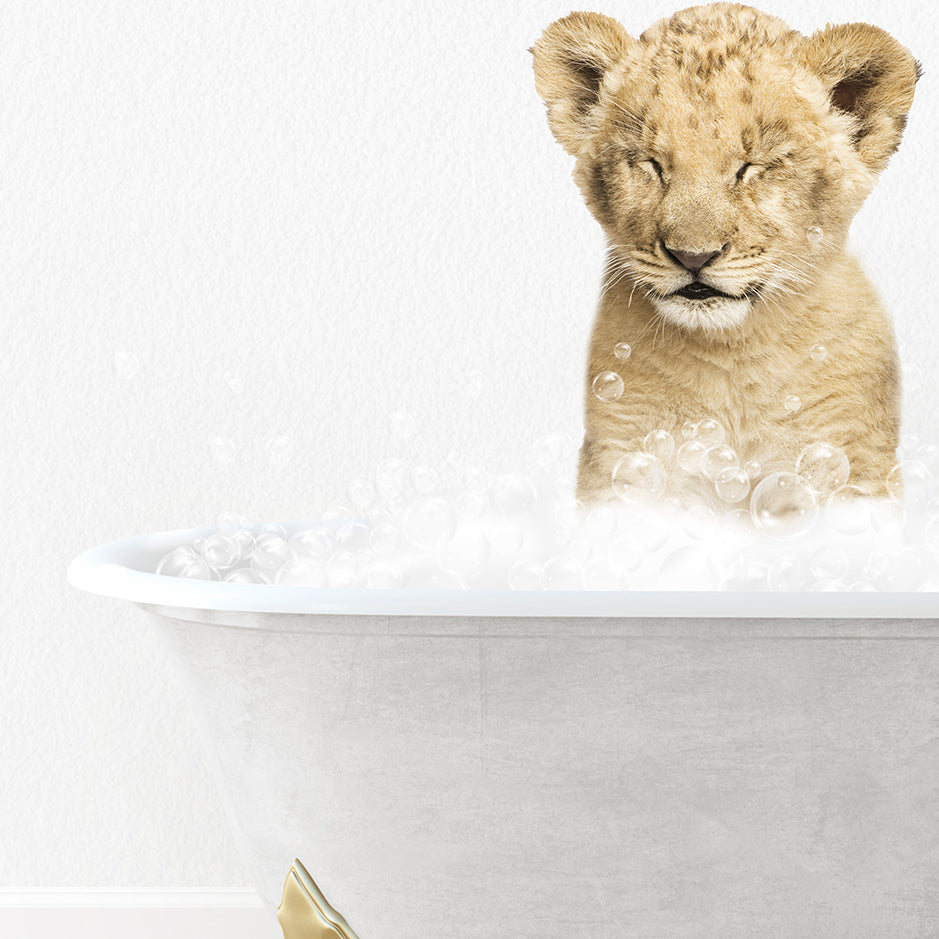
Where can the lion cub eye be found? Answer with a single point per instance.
(745, 173)
(655, 166)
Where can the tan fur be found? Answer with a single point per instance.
(663, 128)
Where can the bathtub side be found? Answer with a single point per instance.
(532, 776)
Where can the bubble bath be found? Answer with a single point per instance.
(460, 527)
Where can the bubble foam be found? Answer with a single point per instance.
(457, 526)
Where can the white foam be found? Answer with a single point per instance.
(462, 527)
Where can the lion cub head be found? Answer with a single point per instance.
(723, 153)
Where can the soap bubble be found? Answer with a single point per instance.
(823, 466)
(699, 522)
(513, 494)
(476, 478)
(746, 573)
(506, 539)
(300, 572)
(472, 503)
(829, 563)
(222, 450)
(638, 477)
(600, 574)
(814, 235)
(183, 561)
(467, 554)
(316, 543)
(551, 450)
(422, 578)
(246, 575)
(622, 350)
(341, 568)
(906, 570)
(709, 432)
(384, 538)
(384, 575)
(818, 353)
(423, 478)
(608, 386)
(910, 484)
(402, 425)
(691, 456)
(279, 451)
(430, 521)
(243, 541)
(563, 573)
(732, 484)
(234, 381)
(581, 549)
(526, 575)
(931, 534)
(792, 403)
(646, 529)
(718, 459)
(660, 443)
(125, 364)
(273, 528)
(602, 521)
(220, 552)
(862, 586)
(783, 505)
(887, 517)
(787, 573)
(848, 510)
(390, 478)
(689, 429)
(737, 522)
(626, 555)
(270, 551)
(567, 513)
(928, 455)
(687, 568)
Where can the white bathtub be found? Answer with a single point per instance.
(465, 765)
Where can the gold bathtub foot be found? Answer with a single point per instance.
(304, 913)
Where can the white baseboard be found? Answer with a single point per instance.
(142, 914)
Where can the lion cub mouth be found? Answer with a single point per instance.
(698, 291)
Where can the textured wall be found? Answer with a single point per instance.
(252, 220)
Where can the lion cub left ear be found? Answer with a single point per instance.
(571, 59)
(870, 76)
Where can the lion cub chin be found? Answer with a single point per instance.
(725, 154)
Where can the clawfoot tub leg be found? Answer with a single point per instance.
(304, 912)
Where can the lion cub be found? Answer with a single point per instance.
(724, 155)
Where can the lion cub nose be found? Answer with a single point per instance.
(692, 260)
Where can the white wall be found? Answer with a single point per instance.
(279, 218)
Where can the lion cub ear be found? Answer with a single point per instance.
(571, 59)
(870, 76)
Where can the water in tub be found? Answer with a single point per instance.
(458, 526)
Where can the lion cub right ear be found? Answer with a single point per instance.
(571, 59)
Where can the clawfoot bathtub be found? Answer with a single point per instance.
(461, 765)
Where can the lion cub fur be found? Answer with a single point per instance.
(722, 134)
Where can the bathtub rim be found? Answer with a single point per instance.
(122, 569)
